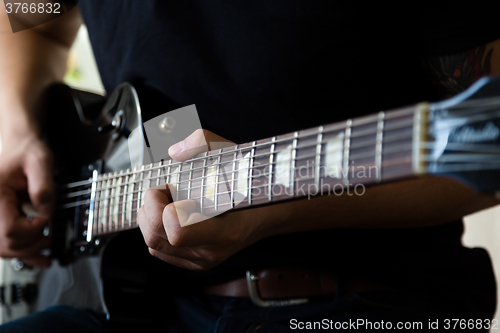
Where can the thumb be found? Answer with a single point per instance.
(40, 182)
(198, 142)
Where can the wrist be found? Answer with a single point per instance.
(269, 221)
(17, 124)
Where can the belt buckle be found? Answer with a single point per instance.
(253, 291)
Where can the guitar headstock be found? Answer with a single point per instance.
(462, 136)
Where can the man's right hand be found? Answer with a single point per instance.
(25, 175)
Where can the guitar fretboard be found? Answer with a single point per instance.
(329, 159)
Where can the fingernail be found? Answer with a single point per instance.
(31, 212)
(182, 216)
(176, 149)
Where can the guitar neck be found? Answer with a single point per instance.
(329, 159)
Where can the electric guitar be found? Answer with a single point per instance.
(102, 187)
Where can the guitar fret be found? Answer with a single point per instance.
(177, 186)
(104, 204)
(347, 143)
(147, 183)
(107, 190)
(203, 173)
(133, 193)
(125, 195)
(293, 164)
(295, 152)
(102, 201)
(96, 207)
(90, 221)
(101, 204)
(150, 173)
(122, 193)
(378, 145)
(250, 172)
(158, 175)
(217, 170)
(167, 176)
(271, 161)
(317, 174)
(139, 190)
(190, 180)
(109, 221)
(233, 187)
(111, 201)
(116, 201)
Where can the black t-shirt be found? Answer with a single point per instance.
(256, 69)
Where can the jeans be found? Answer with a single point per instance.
(364, 312)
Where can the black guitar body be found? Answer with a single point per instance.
(135, 285)
(80, 133)
(71, 128)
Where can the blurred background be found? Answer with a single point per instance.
(482, 229)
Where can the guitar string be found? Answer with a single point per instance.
(257, 146)
(110, 206)
(262, 145)
(117, 185)
(428, 144)
(267, 154)
(111, 225)
(116, 176)
(190, 170)
(119, 223)
(340, 126)
(256, 167)
(108, 197)
(100, 199)
(127, 203)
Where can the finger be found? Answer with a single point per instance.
(155, 200)
(14, 225)
(40, 182)
(176, 214)
(173, 216)
(160, 244)
(37, 261)
(177, 261)
(185, 231)
(23, 238)
(152, 238)
(198, 142)
(27, 251)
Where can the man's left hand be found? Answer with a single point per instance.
(172, 230)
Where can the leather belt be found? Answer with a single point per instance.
(288, 285)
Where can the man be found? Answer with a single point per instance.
(256, 70)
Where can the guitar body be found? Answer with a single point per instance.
(81, 143)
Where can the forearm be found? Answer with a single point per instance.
(409, 203)
(32, 60)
